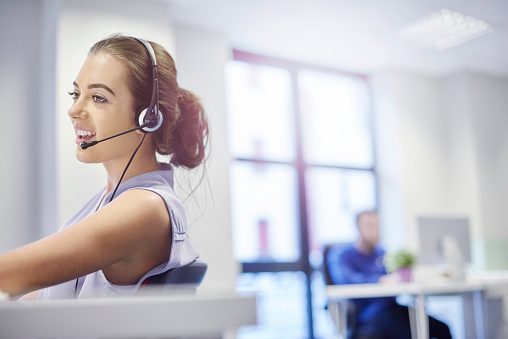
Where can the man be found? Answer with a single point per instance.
(362, 262)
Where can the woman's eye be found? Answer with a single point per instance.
(74, 95)
(98, 98)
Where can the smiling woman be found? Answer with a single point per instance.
(127, 93)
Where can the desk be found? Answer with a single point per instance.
(134, 317)
(338, 294)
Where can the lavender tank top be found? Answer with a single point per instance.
(95, 285)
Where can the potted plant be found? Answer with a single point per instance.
(401, 262)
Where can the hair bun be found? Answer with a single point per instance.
(190, 137)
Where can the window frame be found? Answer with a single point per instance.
(303, 264)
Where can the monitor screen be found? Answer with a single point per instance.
(431, 232)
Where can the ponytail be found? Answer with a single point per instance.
(190, 135)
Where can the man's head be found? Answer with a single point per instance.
(368, 229)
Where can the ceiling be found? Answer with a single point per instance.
(353, 35)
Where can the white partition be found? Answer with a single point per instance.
(134, 317)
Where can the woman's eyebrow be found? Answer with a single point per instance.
(98, 85)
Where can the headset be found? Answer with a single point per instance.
(150, 117)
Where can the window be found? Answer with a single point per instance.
(301, 140)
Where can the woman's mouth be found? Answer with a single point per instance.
(84, 135)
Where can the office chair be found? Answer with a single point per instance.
(344, 315)
(179, 280)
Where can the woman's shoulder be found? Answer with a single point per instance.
(157, 186)
(159, 182)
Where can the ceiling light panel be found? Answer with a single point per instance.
(443, 30)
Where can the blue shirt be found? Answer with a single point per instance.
(347, 265)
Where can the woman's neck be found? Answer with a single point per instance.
(142, 163)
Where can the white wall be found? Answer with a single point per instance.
(200, 63)
(421, 148)
(442, 151)
(20, 28)
(486, 106)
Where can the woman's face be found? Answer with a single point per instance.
(103, 106)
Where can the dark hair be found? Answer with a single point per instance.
(362, 213)
(184, 131)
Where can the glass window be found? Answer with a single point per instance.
(334, 197)
(260, 122)
(299, 176)
(281, 305)
(336, 125)
(264, 212)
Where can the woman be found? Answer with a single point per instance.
(135, 227)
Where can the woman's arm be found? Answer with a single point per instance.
(133, 232)
(30, 296)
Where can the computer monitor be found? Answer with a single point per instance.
(432, 231)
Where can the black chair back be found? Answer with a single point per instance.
(179, 280)
(326, 251)
(191, 274)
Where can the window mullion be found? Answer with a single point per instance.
(302, 201)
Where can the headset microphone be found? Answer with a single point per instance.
(86, 144)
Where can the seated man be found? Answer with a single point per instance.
(362, 262)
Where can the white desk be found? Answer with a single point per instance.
(136, 317)
(477, 286)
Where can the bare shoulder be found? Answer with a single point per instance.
(132, 222)
(141, 203)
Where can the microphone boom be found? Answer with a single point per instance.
(86, 144)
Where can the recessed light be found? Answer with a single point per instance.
(443, 30)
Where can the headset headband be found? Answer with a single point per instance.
(152, 114)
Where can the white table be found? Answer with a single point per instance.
(135, 317)
(338, 294)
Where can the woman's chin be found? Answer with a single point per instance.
(85, 158)
(85, 161)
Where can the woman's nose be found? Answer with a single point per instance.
(77, 111)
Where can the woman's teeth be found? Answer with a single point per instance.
(82, 133)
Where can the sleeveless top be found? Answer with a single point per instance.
(95, 285)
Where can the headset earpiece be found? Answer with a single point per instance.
(154, 121)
